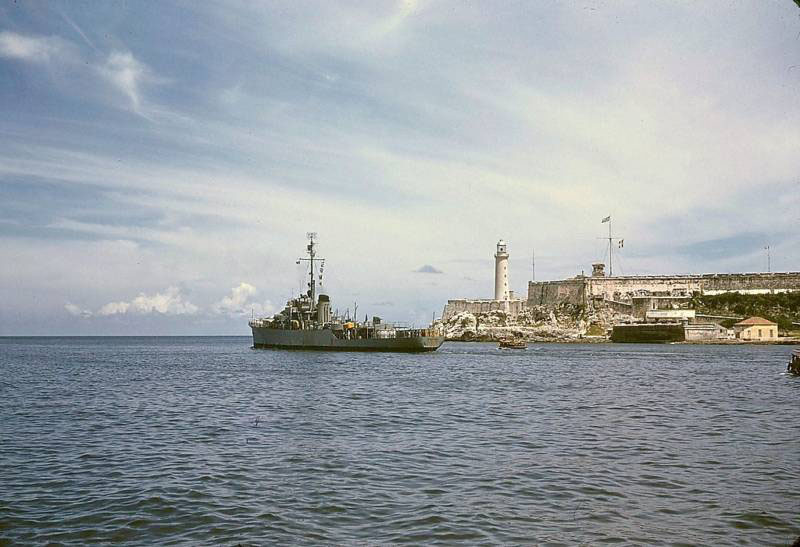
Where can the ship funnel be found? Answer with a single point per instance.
(324, 309)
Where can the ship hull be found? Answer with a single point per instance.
(324, 340)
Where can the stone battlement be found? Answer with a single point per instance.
(583, 290)
(454, 307)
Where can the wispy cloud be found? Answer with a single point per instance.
(126, 73)
(75, 27)
(36, 49)
(120, 69)
(77, 311)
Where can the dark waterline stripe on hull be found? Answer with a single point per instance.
(340, 348)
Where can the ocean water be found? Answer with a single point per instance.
(205, 441)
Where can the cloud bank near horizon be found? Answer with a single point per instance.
(173, 301)
(139, 181)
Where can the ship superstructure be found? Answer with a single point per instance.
(307, 322)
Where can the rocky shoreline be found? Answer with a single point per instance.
(564, 324)
(567, 323)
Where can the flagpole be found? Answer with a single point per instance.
(610, 261)
(610, 245)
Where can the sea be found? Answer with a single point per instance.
(205, 441)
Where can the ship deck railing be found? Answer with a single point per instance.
(383, 328)
(259, 322)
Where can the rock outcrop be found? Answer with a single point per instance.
(565, 323)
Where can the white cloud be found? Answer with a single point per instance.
(39, 49)
(76, 311)
(126, 73)
(120, 69)
(113, 308)
(170, 302)
(237, 299)
(241, 302)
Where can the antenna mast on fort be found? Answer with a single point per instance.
(769, 260)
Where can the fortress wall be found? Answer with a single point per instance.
(704, 331)
(551, 293)
(623, 288)
(750, 282)
(620, 307)
(582, 289)
(454, 307)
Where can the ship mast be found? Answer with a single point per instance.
(312, 253)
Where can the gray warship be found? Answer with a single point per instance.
(306, 323)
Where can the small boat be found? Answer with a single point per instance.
(794, 364)
(513, 343)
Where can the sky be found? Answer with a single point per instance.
(161, 162)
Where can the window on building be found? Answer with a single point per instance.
(759, 333)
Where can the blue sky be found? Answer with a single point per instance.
(160, 163)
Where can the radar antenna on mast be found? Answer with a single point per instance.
(312, 253)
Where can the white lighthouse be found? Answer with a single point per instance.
(501, 272)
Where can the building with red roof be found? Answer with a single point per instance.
(756, 328)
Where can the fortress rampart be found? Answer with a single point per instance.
(584, 290)
(454, 307)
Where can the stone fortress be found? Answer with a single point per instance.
(635, 295)
(599, 288)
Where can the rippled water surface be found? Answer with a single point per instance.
(203, 440)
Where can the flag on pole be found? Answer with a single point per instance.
(621, 243)
(607, 219)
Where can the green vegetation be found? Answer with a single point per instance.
(595, 329)
(783, 308)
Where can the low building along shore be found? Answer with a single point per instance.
(756, 328)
